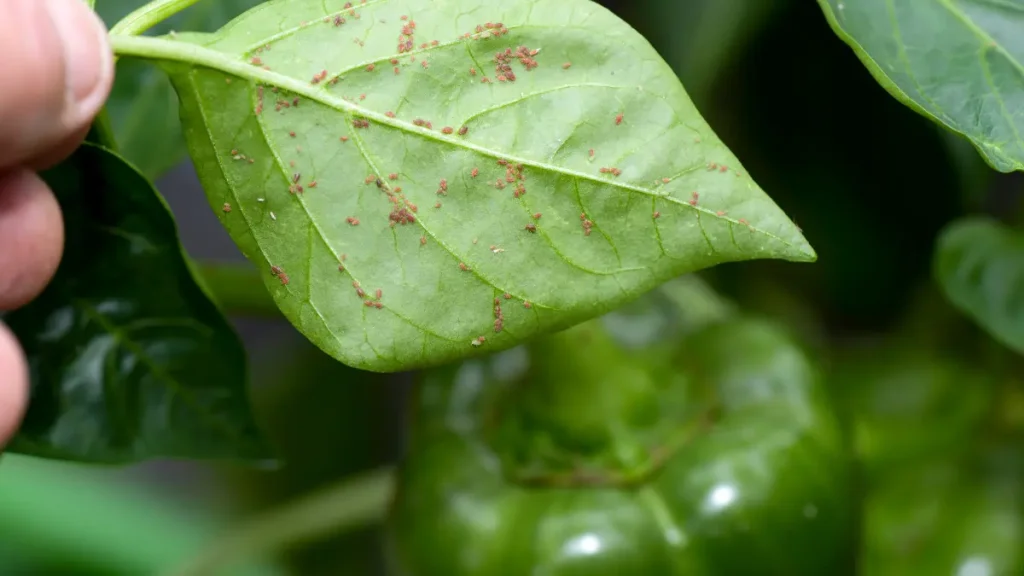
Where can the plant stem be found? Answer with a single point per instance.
(148, 16)
(238, 288)
(352, 504)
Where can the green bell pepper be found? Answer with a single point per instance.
(941, 462)
(717, 453)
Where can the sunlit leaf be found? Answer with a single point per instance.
(130, 360)
(958, 63)
(979, 264)
(142, 104)
(540, 155)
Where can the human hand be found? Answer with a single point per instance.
(56, 73)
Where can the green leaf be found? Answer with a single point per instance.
(960, 63)
(979, 263)
(274, 100)
(130, 360)
(142, 104)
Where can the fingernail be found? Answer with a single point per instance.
(88, 61)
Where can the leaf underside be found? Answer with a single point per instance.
(488, 198)
(959, 62)
(129, 358)
(979, 263)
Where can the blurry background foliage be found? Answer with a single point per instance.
(870, 182)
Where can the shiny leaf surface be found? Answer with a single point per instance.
(143, 107)
(552, 157)
(130, 360)
(957, 62)
(979, 264)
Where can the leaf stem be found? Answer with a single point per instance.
(238, 288)
(149, 16)
(354, 503)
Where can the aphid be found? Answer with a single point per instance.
(443, 185)
(423, 240)
(591, 152)
(472, 71)
(498, 324)
(665, 180)
(743, 221)
(531, 228)
(424, 64)
(463, 267)
(434, 42)
(712, 166)
(295, 101)
(463, 130)
(312, 184)
(360, 292)
(389, 114)
(352, 221)
(296, 177)
(397, 71)
(234, 152)
(341, 267)
(370, 67)
(474, 172)
(618, 119)
(437, 205)
(720, 213)
(344, 138)
(292, 134)
(378, 293)
(500, 185)
(537, 216)
(362, 96)
(526, 304)
(507, 296)
(397, 189)
(656, 215)
(403, 17)
(378, 182)
(377, 305)
(256, 61)
(394, 61)
(693, 199)
(369, 179)
(447, 130)
(276, 270)
(393, 176)
(227, 207)
(723, 168)
(485, 80)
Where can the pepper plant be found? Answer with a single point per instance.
(512, 199)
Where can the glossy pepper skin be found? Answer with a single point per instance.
(716, 455)
(941, 453)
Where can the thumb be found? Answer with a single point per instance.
(56, 73)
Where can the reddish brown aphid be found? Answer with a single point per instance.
(693, 198)
(256, 61)
(591, 152)
(618, 119)
(447, 130)
(361, 123)
(526, 304)
(507, 296)
(424, 64)
(720, 213)
(352, 221)
(389, 114)
(463, 267)
(423, 240)
(743, 221)
(344, 138)
(474, 172)
(378, 293)
(656, 215)
(485, 80)
(398, 189)
(292, 134)
(369, 179)
(437, 205)
(227, 207)
(723, 168)
(531, 228)
(537, 216)
(472, 71)
(443, 185)
(712, 166)
(665, 180)
(370, 67)
(397, 71)
(463, 130)
(362, 96)
(393, 176)
(312, 184)
(499, 184)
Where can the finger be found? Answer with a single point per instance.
(31, 237)
(13, 385)
(56, 73)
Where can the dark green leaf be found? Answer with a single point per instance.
(130, 359)
(957, 62)
(599, 239)
(980, 265)
(142, 105)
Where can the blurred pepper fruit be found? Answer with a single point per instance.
(716, 455)
(942, 465)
